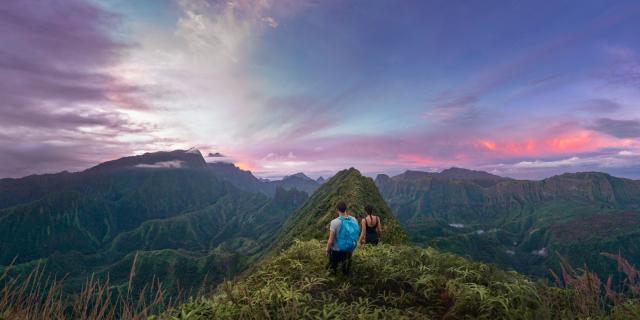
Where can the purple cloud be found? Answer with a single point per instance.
(600, 106)
(618, 128)
(58, 99)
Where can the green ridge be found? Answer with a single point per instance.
(311, 220)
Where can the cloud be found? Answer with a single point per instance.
(62, 106)
(600, 106)
(573, 161)
(235, 76)
(628, 153)
(163, 165)
(58, 52)
(625, 68)
(614, 161)
(618, 128)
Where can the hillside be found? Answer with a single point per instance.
(517, 223)
(390, 282)
(182, 222)
(311, 220)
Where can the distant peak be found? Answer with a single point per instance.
(462, 173)
(456, 169)
(216, 155)
(299, 175)
(193, 151)
(382, 177)
(191, 158)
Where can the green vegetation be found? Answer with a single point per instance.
(184, 225)
(160, 241)
(394, 282)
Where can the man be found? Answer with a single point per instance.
(343, 237)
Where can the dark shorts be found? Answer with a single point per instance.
(340, 257)
(371, 239)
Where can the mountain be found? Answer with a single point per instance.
(311, 220)
(479, 177)
(241, 179)
(184, 227)
(246, 181)
(191, 158)
(298, 181)
(517, 223)
(320, 180)
(176, 221)
(298, 176)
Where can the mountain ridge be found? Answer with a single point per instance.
(311, 220)
(521, 223)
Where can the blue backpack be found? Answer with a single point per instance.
(347, 238)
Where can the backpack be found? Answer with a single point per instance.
(347, 238)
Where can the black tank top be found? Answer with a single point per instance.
(373, 228)
(371, 235)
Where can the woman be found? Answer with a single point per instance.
(371, 229)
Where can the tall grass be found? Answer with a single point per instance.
(402, 282)
(595, 297)
(37, 296)
(398, 282)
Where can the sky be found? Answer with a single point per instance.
(525, 89)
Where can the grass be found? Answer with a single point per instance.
(388, 282)
(35, 296)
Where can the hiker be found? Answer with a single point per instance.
(371, 227)
(343, 239)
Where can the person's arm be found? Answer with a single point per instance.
(330, 240)
(379, 228)
(362, 231)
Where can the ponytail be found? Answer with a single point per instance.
(368, 209)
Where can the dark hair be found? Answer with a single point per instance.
(341, 206)
(368, 209)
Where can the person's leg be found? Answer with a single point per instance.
(338, 258)
(333, 261)
(346, 264)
